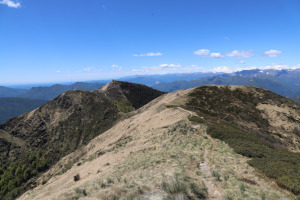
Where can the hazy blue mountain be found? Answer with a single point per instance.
(296, 98)
(13, 106)
(283, 82)
(49, 93)
(151, 80)
(10, 92)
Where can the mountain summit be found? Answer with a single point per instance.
(210, 142)
(38, 139)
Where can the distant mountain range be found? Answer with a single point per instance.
(283, 82)
(49, 93)
(11, 92)
(151, 80)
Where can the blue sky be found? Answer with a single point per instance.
(64, 40)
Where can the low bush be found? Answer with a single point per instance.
(76, 177)
(277, 163)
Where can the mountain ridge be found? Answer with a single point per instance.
(41, 137)
(182, 138)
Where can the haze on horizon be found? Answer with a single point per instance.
(63, 41)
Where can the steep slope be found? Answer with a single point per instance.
(269, 116)
(36, 140)
(10, 92)
(256, 123)
(49, 93)
(14, 106)
(167, 150)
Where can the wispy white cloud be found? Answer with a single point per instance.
(272, 53)
(206, 53)
(223, 69)
(202, 52)
(149, 54)
(88, 69)
(10, 3)
(169, 66)
(296, 67)
(278, 67)
(235, 53)
(216, 55)
(58, 71)
(160, 69)
(116, 68)
(227, 69)
(240, 54)
(226, 38)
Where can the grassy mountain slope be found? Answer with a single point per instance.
(167, 150)
(10, 92)
(35, 141)
(13, 106)
(49, 93)
(257, 124)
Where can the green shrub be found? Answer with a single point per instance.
(200, 193)
(174, 187)
(280, 164)
(216, 175)
(196, 119)
(124, 106)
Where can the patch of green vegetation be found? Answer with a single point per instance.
(137, 94)
(228, 104)
(185, 187)
(275, 162)
(280, 164)
(14, 175)
(124, 105)
(196, 119)
(80, 192)
(217, 175)
(180, 128)
(122, 142)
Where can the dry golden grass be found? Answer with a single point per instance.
(155, 154)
